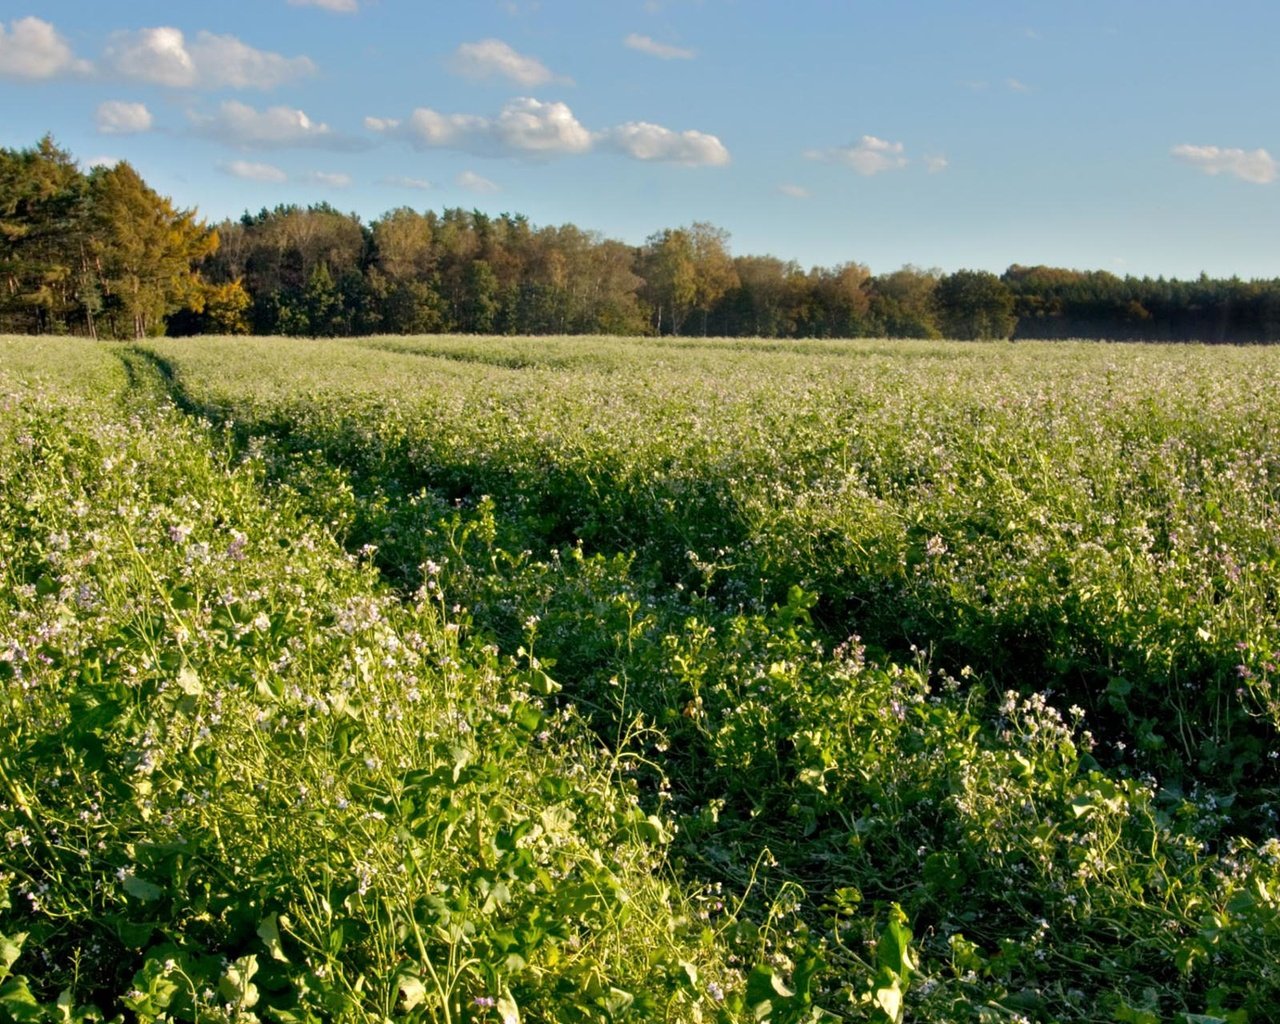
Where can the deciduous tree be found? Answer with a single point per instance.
(146, 251)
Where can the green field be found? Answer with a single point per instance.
(578, 679)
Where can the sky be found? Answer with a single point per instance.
(1129, 135)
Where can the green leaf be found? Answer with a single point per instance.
(1132, 1015)
(652, 830)
(617, 1002)
(140, 888)
(893, 950)
(236, 985)
(190, 683)
(541, 683)
(1082, 804)
(413, 992)
(779, 986)
(135, 934)
(1187, 955)
(10, 949)
(269, 933)
(461, 758)
(16, 1001)
(527, 718)
(887, 1000)
(766, 991)
(507, 1008)
(557, 820)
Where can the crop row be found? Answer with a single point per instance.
(605, 748)
(984, 632)
(241, 780)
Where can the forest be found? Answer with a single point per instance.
(101, 254)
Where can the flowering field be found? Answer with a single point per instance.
(470, 679)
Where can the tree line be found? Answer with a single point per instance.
(102, 254)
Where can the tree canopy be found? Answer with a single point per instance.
(100, 253)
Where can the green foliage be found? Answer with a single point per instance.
(145, 251)
(247, 783)
(471, 678)
(101, 254)
(975, 305)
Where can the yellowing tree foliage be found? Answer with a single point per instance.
(146, 251)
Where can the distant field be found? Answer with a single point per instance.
(586, 679)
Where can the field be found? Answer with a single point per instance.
(577, 679)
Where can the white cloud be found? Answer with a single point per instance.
(644, 141)
(421, 184)
(116, 117)
(525, 126)
(936, 164)
(341, 6)
(156, 55)
(868, 156)
(794, 191)
(255, 172)
(273, 175)
(330, 179)
(162, 56)
(490, 57)
(1014, 85)
(1257, 166)
(531, 128)
(32, 48)
(238, 124)
(225, 60)
(473, 182)
(664, 51)
(103, 161)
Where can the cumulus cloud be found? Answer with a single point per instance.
(531, 128)
(664, 51)
(239, 124)
(868, 156)
(421, 184)
(794, 191)
(525, 126)
(492, 57)
(644, 141)
(1256, 166)
(1015, 85)
(162, 56)
(156, 55)
(103, 161)
(341, 6)
(473, 182)
(116, 117)
(936, 164)
(33, 49)
(255, 172)
(226, 61)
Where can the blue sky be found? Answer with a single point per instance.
(1131, 135)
